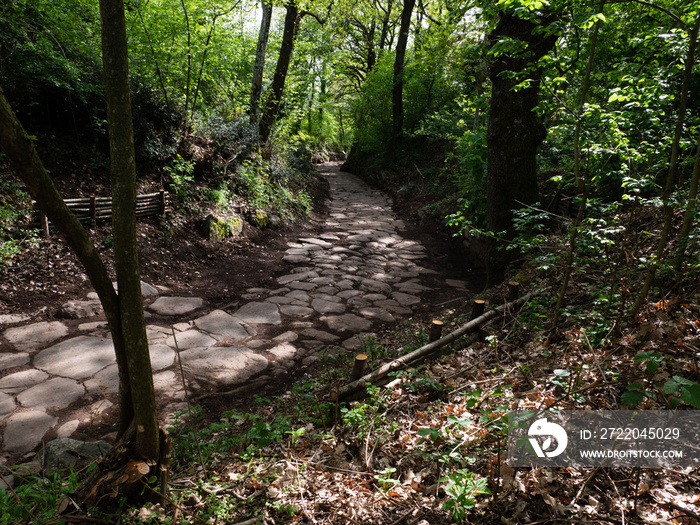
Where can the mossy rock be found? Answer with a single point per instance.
(259, 219)
(216, 228)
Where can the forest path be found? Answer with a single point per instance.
(358, 273)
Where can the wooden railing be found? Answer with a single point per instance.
(94, 209)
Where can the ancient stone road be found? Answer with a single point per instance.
(358, 272)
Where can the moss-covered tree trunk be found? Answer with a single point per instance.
(514, 130)
(399, 65)
(259, 66)
(274, 99)
(123, 170)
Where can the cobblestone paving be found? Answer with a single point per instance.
(360, 271)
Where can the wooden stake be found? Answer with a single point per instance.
(93, 209)
(478, 307)
(435, 330)
(44, 222)
(360, 364)
(161, 202)
(513, 290)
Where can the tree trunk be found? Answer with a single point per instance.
(399, 63)
(514, 133)
(274, 99)
(123, 169)
(259, 67)
(16, 144)
(671, 175)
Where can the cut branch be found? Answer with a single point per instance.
(352, 388)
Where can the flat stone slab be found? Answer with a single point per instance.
(19, 381)
(13, 318)
(347, 323)
(12, 360)
(106, 381)
(176, 305)
(259, 313)
(284, 351)
(380, 314)
(7, 404)
(162, 356)
(296, 311)
(25, 430)
(223, 365)
(320, 335)
(219, 323)
(327, 307)
(53, 394)
(405, 299)
(37, 335)
(189, 339)
(77, 358)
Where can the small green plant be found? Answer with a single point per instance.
(181, 172)
(36, 498)
(461, 487)
(384, 479)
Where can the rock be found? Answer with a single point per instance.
(53, 394)
(320, 335)
(216, 228)
(19, 381)
(13, 318)
(67, 429)
(162, 356)
(79, 309)
(12, 360)
(259, 313)
(67, 452)
(286, 337)
(7, 404)
(189, 339)
(219, 323)
(77, 358)
(176, 305)
(34, 336)
(275, 222)
(226, 365)
(346, 323)
(259, 219)
(25, 430)
(327, 307)
(283, 351)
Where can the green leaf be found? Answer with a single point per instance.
(691, 394)
(632, 398)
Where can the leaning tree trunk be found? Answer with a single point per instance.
(123, 169)
(514, 132)
(274, 99)
(259, 67)
(16, 144)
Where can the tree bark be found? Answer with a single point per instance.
(514, 133)
(274, 100)
(123, 170)
(259, 67)
(399, 64)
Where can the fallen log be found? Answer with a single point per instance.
(381, 372)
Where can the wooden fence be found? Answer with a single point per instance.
(94, 209)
